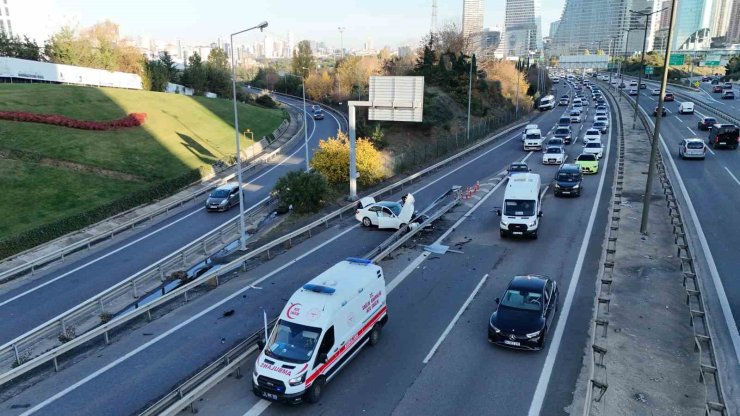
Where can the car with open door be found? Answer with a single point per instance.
(385, 214)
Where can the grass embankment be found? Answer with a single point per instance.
(51, 172)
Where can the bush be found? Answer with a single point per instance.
(266, 101)
(131, 120)
(304, 191)
(332, 160)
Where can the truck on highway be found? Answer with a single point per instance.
(522, 209)
(533, 140)
(322, 327)
(547, 103)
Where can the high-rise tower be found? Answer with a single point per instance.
(522, 27)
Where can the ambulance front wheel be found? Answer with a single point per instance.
(375, 335)
(313, 395)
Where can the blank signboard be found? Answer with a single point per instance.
(396, 98)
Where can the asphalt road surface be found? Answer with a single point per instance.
(464, 375)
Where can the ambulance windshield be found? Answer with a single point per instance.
(292, 342)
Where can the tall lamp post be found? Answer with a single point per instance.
(242, 227)
(658, 118)
(305, 126)
(341, 39)
(642, 60)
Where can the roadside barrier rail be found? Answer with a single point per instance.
(186, 394)
(714, 402)
(86, 243)
(16, 356)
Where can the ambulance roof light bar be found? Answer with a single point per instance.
(359, 260)
(319, 288)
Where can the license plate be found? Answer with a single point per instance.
(565, 192)
(514, 343)
(272, 396)
(517, 233)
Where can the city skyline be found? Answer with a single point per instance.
(388, 23)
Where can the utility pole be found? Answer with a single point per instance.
(470, 93)
(642, 61)
(658, 118)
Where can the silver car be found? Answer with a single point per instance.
(223, 197)
(692, 148)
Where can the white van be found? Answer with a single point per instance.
(321, 328)
(533, 140)
(686, 107)
(527, 128)
(547, 103)
(521, 212)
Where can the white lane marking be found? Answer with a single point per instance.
(455, 319)
(544, 380)
(698, 114)
(182, 324)
(258, 408)
(5, 302)
(733, 176)
(680, 120)
(690, 131)
(710, 150)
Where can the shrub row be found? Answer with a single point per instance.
(131, 120)
(58, 228)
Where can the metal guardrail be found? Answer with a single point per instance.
(25, 363)
(87, 243)
(88, 314)
(714, 403)
(295, 97)
(597, 378)
(186, 394)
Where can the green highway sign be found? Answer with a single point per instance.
(712, 60)
(677, 59)
(648, 70)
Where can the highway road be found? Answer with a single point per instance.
(400, 373)
(33, 301)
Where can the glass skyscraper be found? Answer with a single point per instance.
(522, 27)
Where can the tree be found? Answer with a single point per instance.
(218, 75)
(305, 192)
(157, 75)
(332, 160)
(15, 47)
(319, 86)
(303, 61)
(195, 76)
(166, 59)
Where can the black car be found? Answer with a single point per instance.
(724, 135)
(564, 121)
(518, 167)
(318, 114)
(524, 313)
(568, 180)
(655, 112)
(728, 95)
(706, 123)
(563, 133)
(643, 86)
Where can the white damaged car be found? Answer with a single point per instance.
(385, 214)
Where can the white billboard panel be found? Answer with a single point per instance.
(396, 98)
(44, 71)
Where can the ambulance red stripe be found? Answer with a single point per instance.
(345, 348)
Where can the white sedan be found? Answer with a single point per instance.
(594, 148)
(385, 214)
(554, 155)
(655, 91)
(592, 135)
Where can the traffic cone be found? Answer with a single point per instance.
(477, 186)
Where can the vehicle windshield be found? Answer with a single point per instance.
(554, 150)
(220, 193)
(599, 124)
(519, 207)
(568, 176)
(710, 120)
(518, 168)
(586, 158)
(534, 136)
(519, 299)
(395, 207)
(564, 120)
(695, 145)
(593, 144)
(562, 130)
(292, 342)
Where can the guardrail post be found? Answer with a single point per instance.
(56, 364)
(203, 246)
(134, 288)
(161, 272)
(100, 303)
(107, 340)
(182, 258)
(63, 325)
(17, 356)
(221, 235)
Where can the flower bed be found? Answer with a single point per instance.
(131, 120)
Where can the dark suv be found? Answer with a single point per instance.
(723, 135)
(563, 133)
(568, 180)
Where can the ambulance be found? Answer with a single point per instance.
(321, 328)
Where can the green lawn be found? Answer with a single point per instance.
(36, 194)
(180, 134)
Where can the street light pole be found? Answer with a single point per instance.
(642, 62)
(470, 91)
(305, 121)
(656, 132)
(242, 226)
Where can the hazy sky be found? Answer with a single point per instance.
(387, 22)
